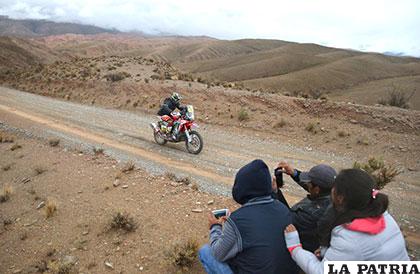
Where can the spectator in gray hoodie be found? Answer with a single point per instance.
(248, 240)
(361, 228)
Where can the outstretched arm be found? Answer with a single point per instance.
(294, 173)
(225, 242)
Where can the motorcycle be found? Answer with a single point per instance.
(183, 125)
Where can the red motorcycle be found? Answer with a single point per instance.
(178, 128)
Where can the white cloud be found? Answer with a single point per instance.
(375, 25)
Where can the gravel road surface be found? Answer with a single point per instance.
(127, 136)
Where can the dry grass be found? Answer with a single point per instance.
(50, 208)
(123, 221)
(15, 147)
(383, 174)
(54, 142)
(170, 175)
(128, 167)
(312, 128)
(397, 98)
(342, 134)
(280, 124)
(5, 138)
(6, 193)
(98, 150)
(39, 170)
(7, 167)
(183, 255)
(243, 115)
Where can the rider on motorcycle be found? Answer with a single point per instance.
(169, 105)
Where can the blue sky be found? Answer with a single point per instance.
(369, 25)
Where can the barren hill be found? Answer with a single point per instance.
(18, 53)
(270, 66)
(273, 66)
(31, 28)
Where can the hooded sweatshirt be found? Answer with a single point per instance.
(366, 239)
(251, 240)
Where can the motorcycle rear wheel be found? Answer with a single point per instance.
(196, 144)
(159, 139)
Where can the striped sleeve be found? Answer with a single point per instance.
(225, 242)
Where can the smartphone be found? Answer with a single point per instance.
(278, 173)
(220, 212)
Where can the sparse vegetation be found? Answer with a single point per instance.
(50, 208)
(15, 147)
(243, 115)
(6, 167)
(123, 221)
(280, 124)
(39, 170)
(311, 127)
(342, 133)
(117, 76)
(170, 175)
(4, 138)
(397, 98)
(6, 193)
(383, 174)
(54, 142)
(128, 167)
(98, 150)
(183, 255)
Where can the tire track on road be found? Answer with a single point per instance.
(83, 133)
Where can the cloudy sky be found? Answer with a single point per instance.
(369, 25)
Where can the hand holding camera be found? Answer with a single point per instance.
(218, 216)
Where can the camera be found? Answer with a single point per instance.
(220, 212)
(278, 173)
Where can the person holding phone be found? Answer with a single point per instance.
(308, 213)
(247, 240)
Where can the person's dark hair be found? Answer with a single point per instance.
(356, 186)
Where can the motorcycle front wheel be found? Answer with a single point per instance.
(159, 139)
(196, 144)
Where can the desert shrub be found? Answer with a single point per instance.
(315, 94)
(4, 138)
(280, 124)
(117, 76)
(6, 193)
(396, 98)
(183, 255)
(98, 150)
(383, 174)
(15, 147)
(54, 142)
(50, 208)
(184, 180)
(170, 175)
(39, 170)
(342, 133)
(243, 115)
(123, 221)
(128, 167)
(311, 127)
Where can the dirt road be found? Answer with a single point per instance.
(127, 136)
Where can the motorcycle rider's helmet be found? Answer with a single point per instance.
(176, 97)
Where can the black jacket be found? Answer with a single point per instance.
(306, 215)
(168, 106)
(260, 223)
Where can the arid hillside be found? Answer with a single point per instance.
(32, 28)
(18, 53)
(271, 66)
